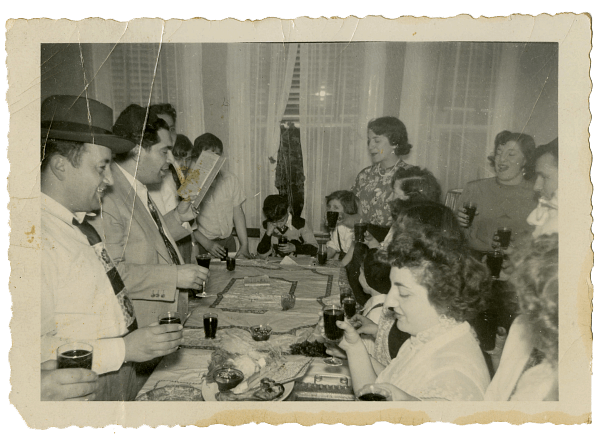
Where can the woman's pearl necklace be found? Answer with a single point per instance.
(383, 175)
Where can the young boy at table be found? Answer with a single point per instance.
(221, 209)
(346, 204)
(279, 222)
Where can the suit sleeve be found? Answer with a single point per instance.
(174, 227)
(144, 281)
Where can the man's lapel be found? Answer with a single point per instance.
(139, 213)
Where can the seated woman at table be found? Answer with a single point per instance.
(388, 338)
(280, 222)
(505, 200)
(437, 287)
(346, 204)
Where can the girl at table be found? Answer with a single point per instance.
(280, 222)
(346, 204)
(437, 287)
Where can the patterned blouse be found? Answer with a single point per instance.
(374, 192)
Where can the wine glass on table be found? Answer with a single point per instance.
(333, 313)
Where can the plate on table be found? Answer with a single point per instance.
(177, 393)
(210, 390)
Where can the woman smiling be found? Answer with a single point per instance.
(436, 289)
(505, 200)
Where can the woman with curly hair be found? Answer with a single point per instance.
(505, 200)
(436, 289)
(529, 366)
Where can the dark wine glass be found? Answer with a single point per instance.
(494, 260)
(470, 208)
(504, 234)
(332, 219)
(211, 322)
(333, 334)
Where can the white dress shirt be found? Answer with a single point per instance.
(78, 301)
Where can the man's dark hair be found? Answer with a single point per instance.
(69, 149)
(549, 148)
(139, 127)
(167, 109)
(207, 141)
(275, 207)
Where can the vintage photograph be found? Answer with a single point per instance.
(308, 221)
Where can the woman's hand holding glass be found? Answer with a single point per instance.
(363, 325)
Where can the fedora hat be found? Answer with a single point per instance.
(79, 119)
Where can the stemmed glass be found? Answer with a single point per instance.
(333, 334)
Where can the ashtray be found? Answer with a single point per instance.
(261, 332)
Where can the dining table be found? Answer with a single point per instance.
(239, 305)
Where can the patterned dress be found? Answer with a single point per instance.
(373, 189)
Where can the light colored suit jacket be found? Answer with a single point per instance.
(137, 248)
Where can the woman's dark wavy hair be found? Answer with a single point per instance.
(431, 190)
(458, 286)
(393, 129)
(526, 144)
(536, 282)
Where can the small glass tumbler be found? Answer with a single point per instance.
(373, 393)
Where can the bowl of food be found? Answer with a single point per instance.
(228, 378)
(261, 332)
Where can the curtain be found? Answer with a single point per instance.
(259, 78)
(341, 89)
(456, 96)
(151, 73)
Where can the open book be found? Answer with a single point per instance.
(200, 177)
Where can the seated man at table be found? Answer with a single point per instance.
(83, 297)
(139, 238)
(281, 225)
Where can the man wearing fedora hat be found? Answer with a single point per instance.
(139, 238)
(83, 296)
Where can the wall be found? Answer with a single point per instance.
(536, 95)
(216, 96)
(61, 69)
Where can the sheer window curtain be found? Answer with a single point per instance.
(148, 74)
(456, 97)
(341, 89)
(259, 78)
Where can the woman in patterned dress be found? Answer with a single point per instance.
(388, 142)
